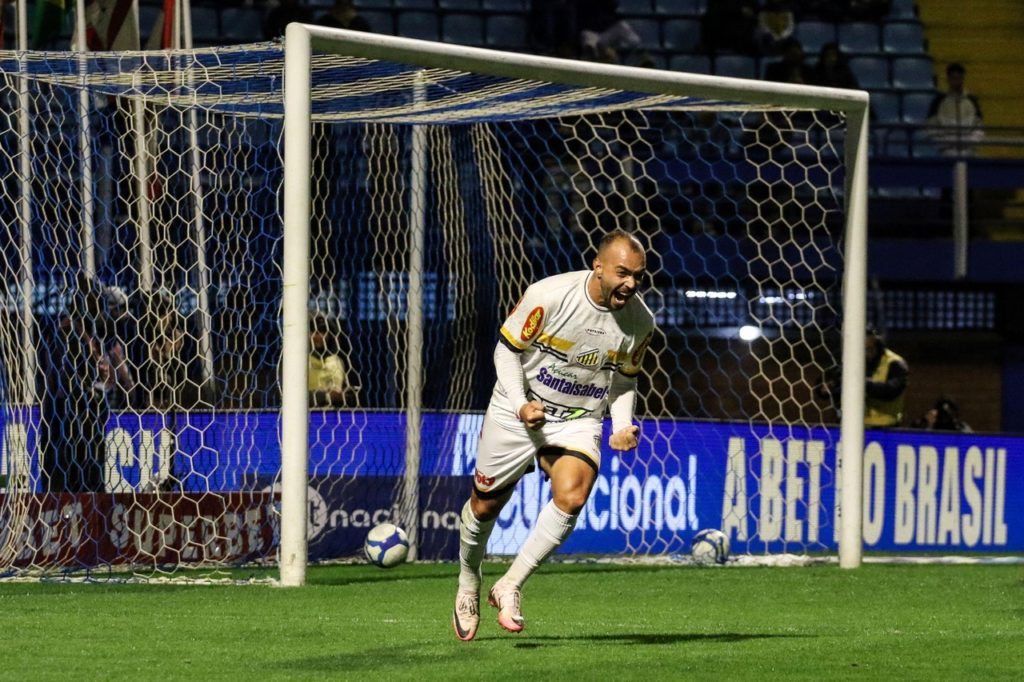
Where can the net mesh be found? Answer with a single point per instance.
(141, 329)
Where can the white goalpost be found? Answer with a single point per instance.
(252, 295)
(303, 41)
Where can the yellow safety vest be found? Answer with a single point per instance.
(884, 412)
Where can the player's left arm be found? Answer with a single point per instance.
(622, 397)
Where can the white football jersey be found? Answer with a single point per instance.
(571, 346)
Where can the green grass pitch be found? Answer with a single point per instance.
(584, 621)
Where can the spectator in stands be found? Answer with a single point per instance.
(944, 416)
(603, 33)
(885, 384)
(114, 382)
(329, 384)
(553, 28)
(279, 17)
(791, 68)
(832, 70)
(775, 26)
(167, 367)
(956, 116)
(343, 14)
(728, 26)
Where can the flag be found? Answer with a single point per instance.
(47, 23)
(111, 25)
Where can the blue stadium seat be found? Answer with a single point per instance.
(681, 35)
(916, 105)
(903, 37)
(736, 65)
(463, 29)
(886, 107)
(815, 34)
(467, 5)
(692, 8)
(903, 9)
(380, 22)
(690, 63)
(242, 24)
(635, 7)
(871, 72)
(894, 143)
(421, 25)
(912, 73)
(506, 30)
(858, 37)
(503, 5)
(372, 4)
(649, 31)
(414, 4)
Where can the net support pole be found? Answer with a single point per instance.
(854, 323)
(142, 192)
(198, 199)
(295, 303)
(88, 240)
(414, 329)
(960, 224)
(27, 279)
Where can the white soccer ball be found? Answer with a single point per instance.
(710, 546)
(386, 545)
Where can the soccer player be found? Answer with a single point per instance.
(570, 350)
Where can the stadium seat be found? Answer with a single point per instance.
(414, 4)
(506, 30)
(242, 24)
(635, 7)
(692, 8)
(503, 5)
(463, 29)
(649, 31)
(148, 15)
(912, 73)
(372, 4)
(690, 63)
(871, 72)
(463, 5)
(903, 9)
(916, 105)
(421, 25)
(736, 65)
(894, 143)
(886, 107)
(904, 37)
(681, 35)
(380, 22)
(813, 35)
(859, 37)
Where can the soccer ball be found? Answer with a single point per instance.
(710, 546)
(386, 545)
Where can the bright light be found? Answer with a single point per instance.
(749, 332)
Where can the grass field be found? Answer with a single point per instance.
(584, 621)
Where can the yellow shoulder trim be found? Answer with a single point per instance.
(512, 340)
(555, 342)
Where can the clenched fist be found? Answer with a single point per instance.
(532, 414)
(625, 439)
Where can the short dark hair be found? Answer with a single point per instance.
(956, 67)
(615, 235)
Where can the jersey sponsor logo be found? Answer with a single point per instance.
(638, 354)
(571, 387)
(594, 332)
(588, 357)
(532, 324)
(558, 412)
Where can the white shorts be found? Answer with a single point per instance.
(508, 450)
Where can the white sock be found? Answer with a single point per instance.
(473, 535)
(553, 527)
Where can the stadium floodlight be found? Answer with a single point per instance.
(403, 194)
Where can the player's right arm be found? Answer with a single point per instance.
(517, 333)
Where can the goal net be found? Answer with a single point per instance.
(184, 313)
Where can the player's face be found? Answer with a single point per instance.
(619, 270)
